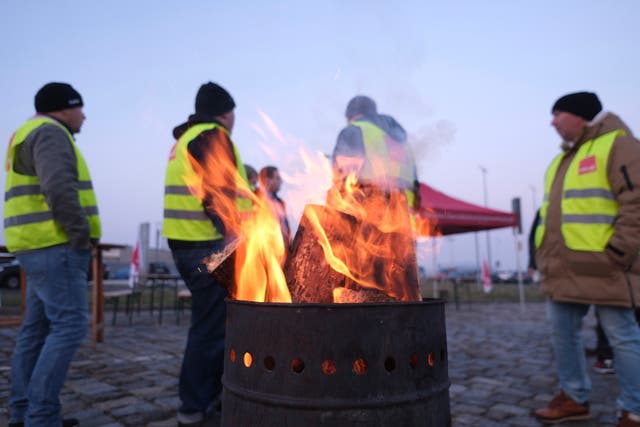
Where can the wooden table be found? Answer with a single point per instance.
(97, 308)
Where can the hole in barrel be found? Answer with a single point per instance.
(360, 366)
(269, 363)
(390, 364)
(232, 355)
(413, 360)
(247, 359)
(430, 360)
(297, 365)
(329, 367)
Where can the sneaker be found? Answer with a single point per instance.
(562, 408)
(190, 420)
(604, 366)
(196, 424)
(627, 421)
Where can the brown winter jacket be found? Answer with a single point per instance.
(611, 277)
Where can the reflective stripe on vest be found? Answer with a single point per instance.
(388, 163)
(28, 220)
(184, 214)
(588, 206)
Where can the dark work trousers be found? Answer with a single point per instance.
(202, 364)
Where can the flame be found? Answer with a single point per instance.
(259, 275)
(260, 253)
(426, 225)
(365, 232)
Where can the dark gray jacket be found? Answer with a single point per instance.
(48, 154)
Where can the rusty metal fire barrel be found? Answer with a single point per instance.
(336, 365)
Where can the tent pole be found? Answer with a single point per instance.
(479, 273)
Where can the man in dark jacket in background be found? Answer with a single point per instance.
(201, 196)
(372, 155)
(51, 223)
(389, 165)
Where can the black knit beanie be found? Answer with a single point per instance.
(213, 100)
(361, 105)
(582, 104)
(57, 96)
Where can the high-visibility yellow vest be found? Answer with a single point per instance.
(184, 214)
(387, 161)
(588, 206)
(28, 220)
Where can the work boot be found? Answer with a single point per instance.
(562, 408)
(628, 421)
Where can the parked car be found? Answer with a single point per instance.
(9, 272)
(159, 267)
(458, 275)
(504, 277)
(509, 277)
(119, 271)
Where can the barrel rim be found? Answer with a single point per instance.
(424, 302)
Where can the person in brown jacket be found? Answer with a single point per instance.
(587, 243)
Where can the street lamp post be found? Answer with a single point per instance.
(534, 199)
(486, 204)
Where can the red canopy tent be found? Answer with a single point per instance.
(441, 215)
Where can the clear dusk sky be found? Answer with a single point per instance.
(471, 81)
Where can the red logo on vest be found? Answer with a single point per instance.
(587, 165)
(172, 153)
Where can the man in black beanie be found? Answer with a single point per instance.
(57, 97)
(197, 224)
(582, 104)
(587, 244)
(51, 223)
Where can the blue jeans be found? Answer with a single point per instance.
(201, 372)
(619, 324)
(54, 326)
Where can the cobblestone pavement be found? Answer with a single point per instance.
(500, 366)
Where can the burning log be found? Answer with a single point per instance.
(320, 266)
(308, 275)
(221, 266)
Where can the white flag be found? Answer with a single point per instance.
(486, 277)
(134, 270)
